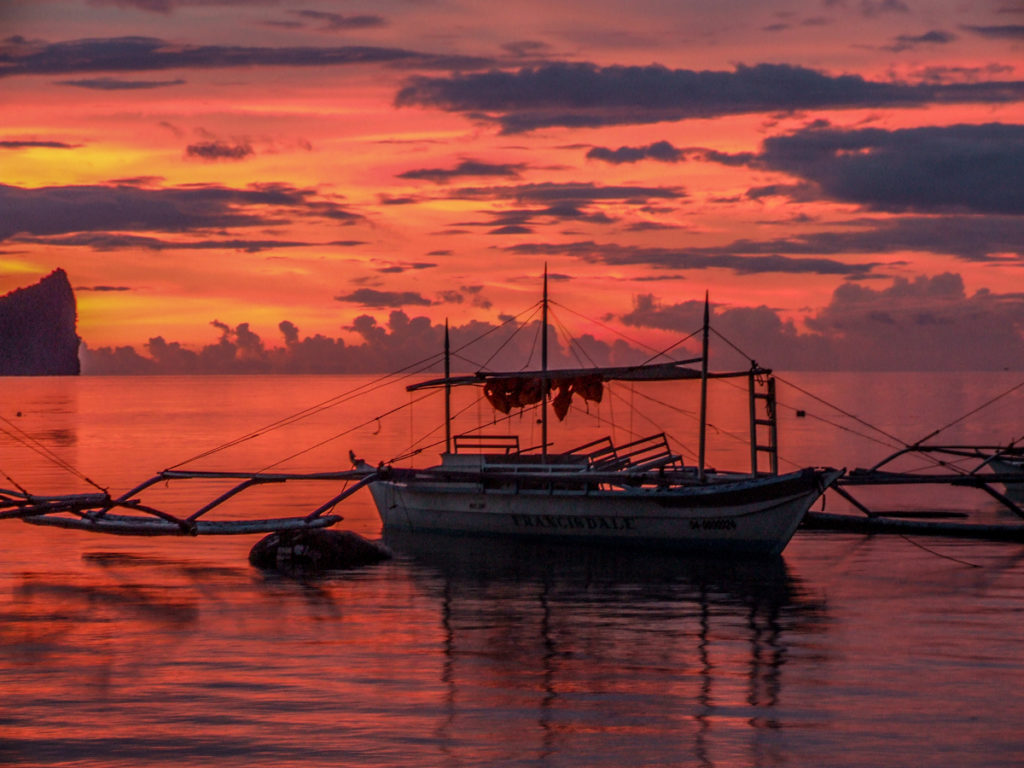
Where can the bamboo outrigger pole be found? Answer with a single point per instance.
(703, 391)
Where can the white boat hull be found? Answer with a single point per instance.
(756, 515)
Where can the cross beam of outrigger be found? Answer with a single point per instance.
(97, 511)
(1002, 465)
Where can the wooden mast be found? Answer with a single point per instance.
(703, 390)
(545, 385)
(447, 391)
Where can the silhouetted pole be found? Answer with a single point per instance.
(703, 390)
(544, 372)
(447, 391)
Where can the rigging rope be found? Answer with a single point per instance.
(815, 397)
(972, 412)
(578, 352)
(412, 450)
(619, 333)
(403, 373)
(346, 432)
(306, 412)
(25, 439)
(534, 309)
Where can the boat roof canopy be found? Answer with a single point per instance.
(649, 372)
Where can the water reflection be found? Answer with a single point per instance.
(590, 649)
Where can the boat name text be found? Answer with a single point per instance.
(573, 522)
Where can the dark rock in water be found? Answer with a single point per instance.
(316, 550)
(37, 329)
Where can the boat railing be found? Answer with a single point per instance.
(652, 452)
(506, 444)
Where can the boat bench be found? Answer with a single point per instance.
(652, 452)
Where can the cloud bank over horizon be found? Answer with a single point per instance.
(924, 324)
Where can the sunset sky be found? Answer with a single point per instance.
(845, 177)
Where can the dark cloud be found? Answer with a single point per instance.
(145, 54)
(400, 343)
(37, 144)
(464, 168)
(651, 226)
(573, 201)
(511, 229)
(476, 297)
(471, 294)
(872, 8)
(103, 288)
(368, 297)
(167, 6)
(692, 258)
(928, 323)
(110, 241)
(398, 268)
(970, 237)
(333, 22)
(113, 84)
(934, 37)
(1005, 31)
(923, 324)
(949, 168)
(952, 74)
(51, 211)
(385, 199)
(586, 95)
(661, 151)
(664, 152)
(526, 49)
(218, 150)
(547, 192)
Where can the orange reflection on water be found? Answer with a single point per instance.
(113, 651)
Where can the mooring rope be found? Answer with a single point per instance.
(937, 554)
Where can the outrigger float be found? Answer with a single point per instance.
(980, 467)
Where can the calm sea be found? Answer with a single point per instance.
(846, 651)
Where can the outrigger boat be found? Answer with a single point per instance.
(639, 493)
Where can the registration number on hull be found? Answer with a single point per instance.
(714, 524)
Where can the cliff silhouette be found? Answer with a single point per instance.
(37, 329)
